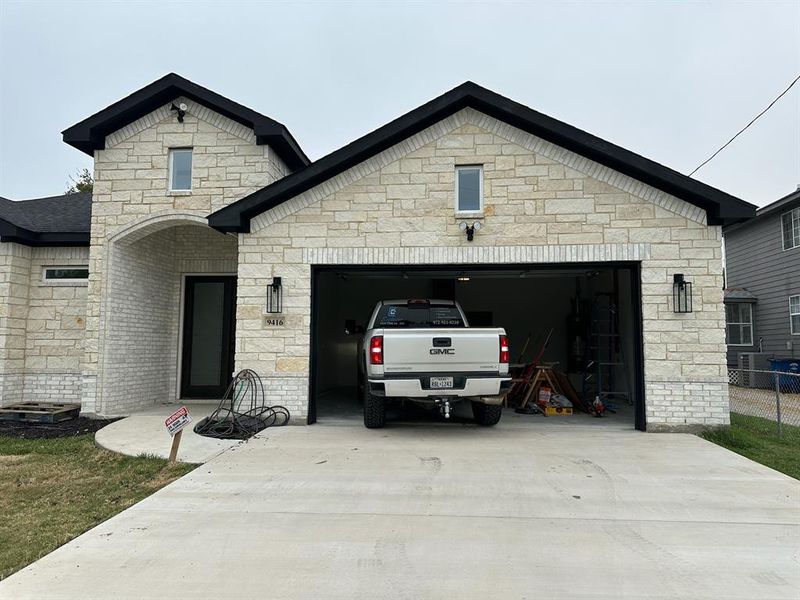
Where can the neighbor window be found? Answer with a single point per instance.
(739, 319)
(180, 169)
(790, 223)
(469, 189)
(794, 314)
(66, 274)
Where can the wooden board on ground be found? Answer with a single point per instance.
(40, 412)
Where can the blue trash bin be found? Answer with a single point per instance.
(791, 366)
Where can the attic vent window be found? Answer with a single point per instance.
(469, 190)
(180, 170)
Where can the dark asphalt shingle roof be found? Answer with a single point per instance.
(39, 221)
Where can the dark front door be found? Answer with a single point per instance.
(208, 335)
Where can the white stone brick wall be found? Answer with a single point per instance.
(142, 329)
(15, 265)
(543, 204)
(43, 339)
(139, 226)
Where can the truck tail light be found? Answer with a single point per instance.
(376, 350)
(504, 349)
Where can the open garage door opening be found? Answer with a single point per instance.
(576, 326)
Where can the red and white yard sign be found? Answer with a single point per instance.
(178, 420)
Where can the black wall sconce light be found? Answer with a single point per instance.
(469, 229)
(180, 109)
(681, 294)
(275, 296)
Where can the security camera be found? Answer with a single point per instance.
(183, 106)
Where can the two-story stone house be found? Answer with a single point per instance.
(206, 216)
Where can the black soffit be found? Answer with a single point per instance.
(721, 208)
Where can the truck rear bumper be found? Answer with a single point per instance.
(415, 388)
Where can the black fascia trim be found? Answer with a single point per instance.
(719, 206)
(89, 135)
(12, 233)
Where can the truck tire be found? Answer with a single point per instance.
(486, 414)
(374, 409)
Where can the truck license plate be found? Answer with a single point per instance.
(439, 383)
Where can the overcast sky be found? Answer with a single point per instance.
(670, 81)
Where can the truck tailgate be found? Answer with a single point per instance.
(441, 350)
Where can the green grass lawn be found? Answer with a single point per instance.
(757, 439)
(52, 490)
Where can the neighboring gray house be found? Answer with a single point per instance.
(762, 297)
(213, 244)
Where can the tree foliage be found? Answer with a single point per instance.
(82, 181)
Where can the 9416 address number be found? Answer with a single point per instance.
(275, 321)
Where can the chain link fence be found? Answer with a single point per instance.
(770, 395)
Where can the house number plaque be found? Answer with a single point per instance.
(274, 321)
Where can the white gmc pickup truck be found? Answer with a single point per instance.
(425, 351)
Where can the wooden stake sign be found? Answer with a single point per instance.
(175, 424)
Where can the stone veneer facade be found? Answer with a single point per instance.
(543, 204)
(144, 237)
(41, 326)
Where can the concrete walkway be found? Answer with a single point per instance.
(144, 433)
(523, 510)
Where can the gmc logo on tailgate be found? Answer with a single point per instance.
(449, 351)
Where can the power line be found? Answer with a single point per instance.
(742, 130)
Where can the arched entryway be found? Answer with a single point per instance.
(169, 309)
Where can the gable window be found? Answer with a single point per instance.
(794, 314)
(180, 169)
(790, 224)
(739, 320)
(67, 274)
(469, 190)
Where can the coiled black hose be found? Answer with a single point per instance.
(242, 412)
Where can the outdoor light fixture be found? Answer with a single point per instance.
(681, 294)
(181, 110)
(469, 229)
(275, 296)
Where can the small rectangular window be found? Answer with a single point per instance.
(790, 224)
(739, 321)
(180, 169)
(469, 189)
(794, 314)
(66, 274)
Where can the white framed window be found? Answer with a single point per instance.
(739, 324)
(65, 274)
(794, 314)
(180, 170)
(790, 226)
(469, 190)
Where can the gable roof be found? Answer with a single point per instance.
(53, 221)
(90, 134)
(720, 207)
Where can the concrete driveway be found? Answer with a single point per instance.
(535, 510)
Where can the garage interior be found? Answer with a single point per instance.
(583, 321)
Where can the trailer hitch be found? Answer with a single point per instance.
(444, 407)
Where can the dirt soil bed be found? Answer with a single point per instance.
(40, 431)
